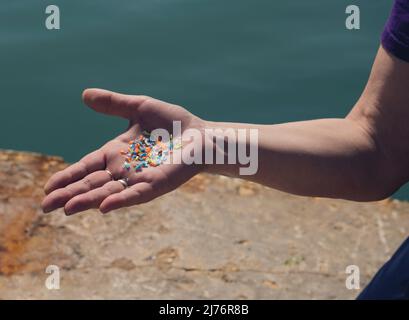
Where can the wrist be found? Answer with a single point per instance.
(215, 148)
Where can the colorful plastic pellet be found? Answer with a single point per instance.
(145, 152)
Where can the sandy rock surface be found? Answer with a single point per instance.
(214, 238)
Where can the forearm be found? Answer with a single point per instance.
(362, 157)
(328, 158)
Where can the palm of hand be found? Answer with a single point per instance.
(87, 184)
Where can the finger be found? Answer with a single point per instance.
(112, 103)
(88, 164)
(132, 180)
(59, 197)
(93, 198)
(136, 194)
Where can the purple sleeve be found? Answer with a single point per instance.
(395, 37)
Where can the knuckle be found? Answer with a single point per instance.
(121, 198)
(82, 200)
(87, 182)
(86, 200)
(112, 187)
(145, 98)
(66, 175)
(148, 177)
(83, 168)
(136, 194)
(65, 194)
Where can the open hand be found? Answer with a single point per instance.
(92, 181)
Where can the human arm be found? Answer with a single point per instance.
(361, 157)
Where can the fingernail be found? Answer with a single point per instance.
(69, 212)
(46, 189)
(104, 211)
(46, 208)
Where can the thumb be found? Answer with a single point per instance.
(113, 103)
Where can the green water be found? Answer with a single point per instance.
(262, 61)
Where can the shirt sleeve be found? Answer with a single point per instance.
(395, 37)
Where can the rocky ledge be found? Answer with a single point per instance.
(213, 238)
